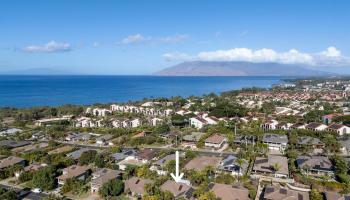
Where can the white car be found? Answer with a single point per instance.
(37, 190)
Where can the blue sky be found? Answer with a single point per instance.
(141, 37)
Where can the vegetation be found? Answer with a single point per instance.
(111, 189)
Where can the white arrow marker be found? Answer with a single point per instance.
(177, 177)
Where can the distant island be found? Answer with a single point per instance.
(205, 68)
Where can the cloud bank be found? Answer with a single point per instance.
(330, 56)
(50, 47)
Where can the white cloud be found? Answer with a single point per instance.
(331, 56)
(331, 52)
(175, 38)
(137, 38)
(50, 47)
(133, 39)
(176, 56)
(95, 44)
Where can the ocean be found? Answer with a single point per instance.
(29, 91)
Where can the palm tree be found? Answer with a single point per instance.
(276, 167)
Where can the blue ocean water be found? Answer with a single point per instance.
(28, 91)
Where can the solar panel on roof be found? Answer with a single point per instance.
(283, 191)
(269, 190)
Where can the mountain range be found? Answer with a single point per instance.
(206, 68)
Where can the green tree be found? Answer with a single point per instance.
(315, 195)
(87, 157)
(45, 178)
(100, 161)
(112, 188)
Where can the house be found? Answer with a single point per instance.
(328, 119)
(306, 141)
(129, 161)
(336, 196)
(31, 168)
(131, 153)
(74, 137)
(245, 139)
(233, 165)
(199, 163)
(198, 122)
(314, 126)
(193, 138)
(102, 112)
(340, 129)
(272, 165)
(10, 161)
(103, 140)
(41, 122)
(74, 171)
(215, 141)
(269, 125)
(178, 189)
(135, 186)
(315, 165)
(298, 126)
(10, 132)
(229, 192)
(276, 192)
(345, 143)
(159, 165)
(275, 141)
(102, 176)
(146, 155)
(13, 144)
(284, 126)
(156, 121)
(76, 154)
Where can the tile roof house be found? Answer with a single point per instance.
(74, 171)
(314, 126)
(146, 155)
(199, 163)
(340, 129)
(178, 189)
(281, 193)
(136, 186)
(215, 141)
(272, 165)
(229, 192)
(275, 141)
(233, 165)
(298, 126)
(102, 176)
(10, 161)
(315, 165)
